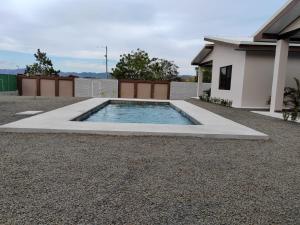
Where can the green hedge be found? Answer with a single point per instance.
(8, 82)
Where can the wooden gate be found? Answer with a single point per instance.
(45, 86)
(144, 89)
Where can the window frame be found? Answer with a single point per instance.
(225, 83)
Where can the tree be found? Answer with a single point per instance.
(207, 74)
(162, 69)
(139, 66)
(43, 66)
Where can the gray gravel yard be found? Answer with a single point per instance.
(92, 179)
(10, 105)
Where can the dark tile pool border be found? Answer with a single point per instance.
(94, 110)
(194, 121)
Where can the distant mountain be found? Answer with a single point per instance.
(86, 75)
(64, 74)
(12, 71)
(82, 74)
(188, 78)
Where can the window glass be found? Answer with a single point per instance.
(225, 78)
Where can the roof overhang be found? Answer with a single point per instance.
(285, 24)
(239, 45)
(248, 44)
(206, 50)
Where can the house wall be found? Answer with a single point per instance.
(257, 86)
(226, 55)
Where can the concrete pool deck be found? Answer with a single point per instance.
(273, 114)
(60, 121)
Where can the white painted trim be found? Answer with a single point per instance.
(238, 42)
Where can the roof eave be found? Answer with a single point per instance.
(221, 41)
(261, 34)
(205, 51)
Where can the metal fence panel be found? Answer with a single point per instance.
(144, 89)
(8, 82)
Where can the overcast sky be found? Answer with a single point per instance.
(73, 32)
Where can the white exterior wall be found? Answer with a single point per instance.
(293, 69)
(183, 90)
(104, 88)
(225, 55)
(258, 79)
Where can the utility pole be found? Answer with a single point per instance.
(106, 61)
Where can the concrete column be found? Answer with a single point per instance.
(200, 79)
(279, 76)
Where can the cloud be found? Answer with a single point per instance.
(7, 64)
(81, 66)
(167, 29)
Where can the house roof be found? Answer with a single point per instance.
(241, 41)
(241, 44)
(284, 24)
(205, 51)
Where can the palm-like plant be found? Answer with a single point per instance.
(292, 101)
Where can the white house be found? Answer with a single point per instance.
(250, 72)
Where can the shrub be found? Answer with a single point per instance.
(218, 101)
(292, 101)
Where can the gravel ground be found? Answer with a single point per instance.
(10, 105)
(90, 179)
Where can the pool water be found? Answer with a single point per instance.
(139, 113)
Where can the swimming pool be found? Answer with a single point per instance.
(138, 112)
(68, 120)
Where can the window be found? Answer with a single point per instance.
(225, 78)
